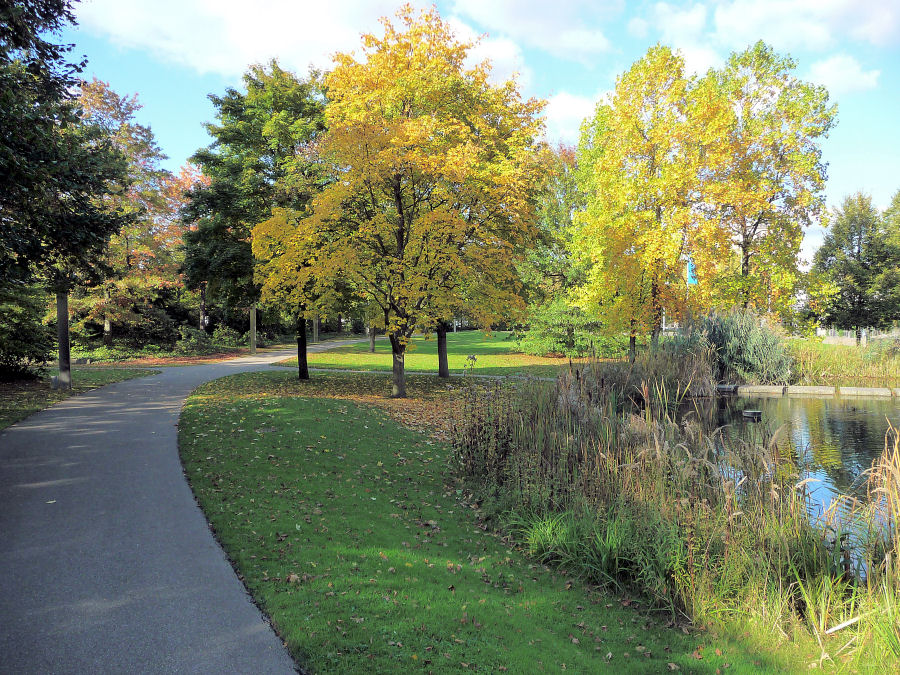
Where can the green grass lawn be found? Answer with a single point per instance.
(347, 532)
(495, 355)
(21, 398)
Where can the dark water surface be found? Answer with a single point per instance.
(832, 440)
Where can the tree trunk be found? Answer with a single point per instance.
(253, 329)
(443, 365)
(398, 351)
(340, 324)
(107, 322)
(654, 338)
(372, 330)
(632, 347)
(204, 317)
(315, 331)
(62, 333)
(302, 366)
(858, 335)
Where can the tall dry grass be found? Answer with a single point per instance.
(595, 473)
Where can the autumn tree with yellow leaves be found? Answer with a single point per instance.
(433, 170)
(723, 170)
(766, 180)
(639, 173)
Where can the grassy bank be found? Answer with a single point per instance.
(876, 365)
(494, 354)
(704, 526)
(21, 398)
(345, 530)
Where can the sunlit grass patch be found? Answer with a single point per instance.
(495, 354)
(345, 529)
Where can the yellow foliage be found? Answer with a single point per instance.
(434, 169)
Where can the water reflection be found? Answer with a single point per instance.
(830, 439)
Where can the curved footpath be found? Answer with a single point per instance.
(107, 564)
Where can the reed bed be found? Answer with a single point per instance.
(597, 476)
(876, 365)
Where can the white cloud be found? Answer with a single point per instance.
(506, 56)
(570, 29)
(842, 74)
(225, 36)
(806, 24)
(684, 29)
(564, 114)
(638, 27)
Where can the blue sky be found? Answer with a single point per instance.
(173, 53)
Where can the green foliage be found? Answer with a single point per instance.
(24, 341)
(227, 336)
(861, 257)
(747, 349)
(556, 328)
(55, 170)
(193, 341)
(260, 139)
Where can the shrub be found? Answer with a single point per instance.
(557, 328)
(193, 341)
(24, 341)
(747, 350)
(227, 336)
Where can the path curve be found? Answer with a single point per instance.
(107, 564)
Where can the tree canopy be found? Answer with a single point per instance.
(433, 172)
(861, 257)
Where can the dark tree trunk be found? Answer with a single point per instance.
(253, 329)
(302, 366)
(372, 338)
(632, 347)
(443, 365)
(62, 333)
(398, 351)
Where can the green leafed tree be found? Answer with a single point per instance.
(861, 257)
(56, 171)
(250, 169)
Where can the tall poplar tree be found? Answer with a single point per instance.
(767, 178)
(638, 171)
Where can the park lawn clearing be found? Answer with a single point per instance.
(343, 526)
(21, 398)
(495, 354)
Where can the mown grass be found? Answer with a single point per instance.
(346, 531)
(876, 365)
(21, 398)
(495, 354)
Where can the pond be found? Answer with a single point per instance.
(832, 440)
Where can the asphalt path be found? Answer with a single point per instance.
(107, 564)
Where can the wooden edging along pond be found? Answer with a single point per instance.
(818, 391)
